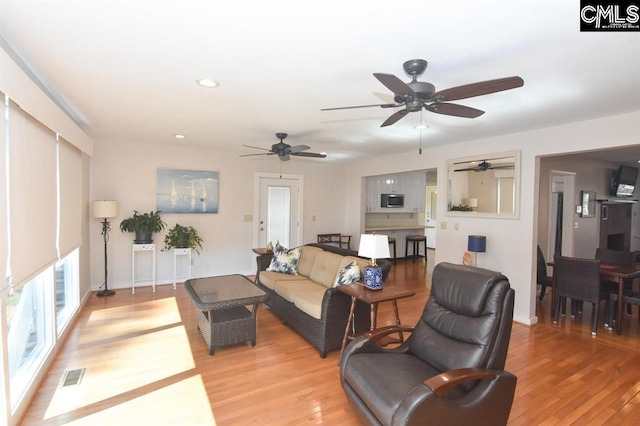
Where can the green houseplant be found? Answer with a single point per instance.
(143, 226)
(182, 237)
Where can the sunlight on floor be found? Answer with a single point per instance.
(120, 320)
(159, 407)
(149, 354)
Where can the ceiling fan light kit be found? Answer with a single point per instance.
(416, 95)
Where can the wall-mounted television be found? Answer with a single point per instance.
(623, 182)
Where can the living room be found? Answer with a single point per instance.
(124, 168)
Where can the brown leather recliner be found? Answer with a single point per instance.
(450, 369)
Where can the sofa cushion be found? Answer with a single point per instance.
(310, 301)
(325, 268)
(348, 275)
(285, 261)
(269, 278)
(307, 258)
(287, 289)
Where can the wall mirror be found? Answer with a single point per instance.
(484, 185)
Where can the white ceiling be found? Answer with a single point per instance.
(127, 69)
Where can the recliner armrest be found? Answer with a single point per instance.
(443, 382)
(379, 333)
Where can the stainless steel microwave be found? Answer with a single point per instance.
(392, 200)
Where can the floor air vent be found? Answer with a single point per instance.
(72, 377)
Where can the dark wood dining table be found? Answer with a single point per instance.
(622, 273)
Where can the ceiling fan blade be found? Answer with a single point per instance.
(361, 106)
(256, 147)
(394, 117)
(510, 167)
(478, 89)
(454, 109)
(393, 83)
(480, 161)
(471, 169)
(309, 154)
(251, 155)
(298, 148)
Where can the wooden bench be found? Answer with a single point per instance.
(343, 241)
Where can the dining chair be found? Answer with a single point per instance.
(542, 278)
(579, 280)
(615, 257)
(630, 298)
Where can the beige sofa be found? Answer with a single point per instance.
(309, 302)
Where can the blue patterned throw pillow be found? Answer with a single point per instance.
(285, 261)
(348, 275)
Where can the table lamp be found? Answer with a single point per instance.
(105, 209)
(470, 202)
(374, 247)
(477, 244)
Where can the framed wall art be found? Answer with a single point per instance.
(588, 204)
(187, 191)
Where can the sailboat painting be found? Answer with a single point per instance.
(187, 191)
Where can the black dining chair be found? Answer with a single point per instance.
(630, 298)
(615, 257)
(579, 280)
(542, 279)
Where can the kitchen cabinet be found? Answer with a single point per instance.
(411, 184)
(414, 184)
(372, 196)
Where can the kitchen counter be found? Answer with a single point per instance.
(394, 227)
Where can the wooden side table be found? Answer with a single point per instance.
(263, 259)
(373, 298)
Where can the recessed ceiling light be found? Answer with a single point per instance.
(207, 82)
(422, 126)
(179, 136)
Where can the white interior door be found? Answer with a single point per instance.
(279, 212)
(431, 215)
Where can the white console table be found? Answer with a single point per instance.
(181, 252)
(143, 247)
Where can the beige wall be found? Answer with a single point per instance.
(511, 243)
(126, 171)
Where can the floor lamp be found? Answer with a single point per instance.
(105, 210)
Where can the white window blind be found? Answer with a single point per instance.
(3, 197)
(70, 218)
(33, 195)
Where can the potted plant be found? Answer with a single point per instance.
(143, 226)
(182, 237)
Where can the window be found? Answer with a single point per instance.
(66, 290)
(29, 331)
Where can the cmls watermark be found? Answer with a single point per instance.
(619, 16)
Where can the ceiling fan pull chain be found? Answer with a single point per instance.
(421, 127)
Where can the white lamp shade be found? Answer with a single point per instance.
(374, 246)
(471, 202)
(104, 209)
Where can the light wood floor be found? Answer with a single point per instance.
(146, 364)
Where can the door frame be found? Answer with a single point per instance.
(256, 205)
(567, 179)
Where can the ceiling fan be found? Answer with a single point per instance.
(484, 165)
(284, 151)
(415, 95)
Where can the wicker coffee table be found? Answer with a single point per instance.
(223, 314)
